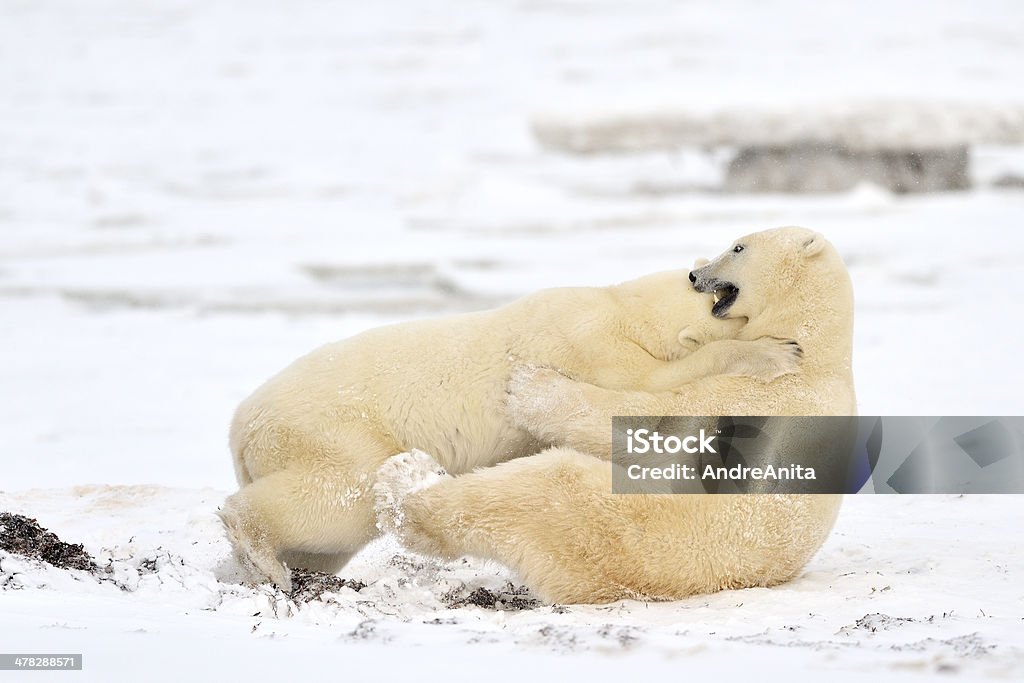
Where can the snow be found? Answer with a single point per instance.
(194, 194)
(880, 597)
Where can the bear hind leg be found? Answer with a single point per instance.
(315, 517)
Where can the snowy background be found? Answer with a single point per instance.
(194, 193)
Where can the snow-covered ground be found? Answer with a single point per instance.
(904, 585)
(194, 193)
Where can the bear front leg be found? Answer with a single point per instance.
(766, 359)
(563, 412)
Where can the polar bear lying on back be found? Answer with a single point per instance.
(553, 518)
(308, 443)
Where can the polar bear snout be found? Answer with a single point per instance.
(703, 280)
(725, 292)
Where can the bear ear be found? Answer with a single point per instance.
(813, 245)
(689, 338)
(700, 263)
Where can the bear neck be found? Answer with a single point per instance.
(822, 325)
(654, 303)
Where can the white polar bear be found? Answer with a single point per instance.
(553, 517)
(308, 443)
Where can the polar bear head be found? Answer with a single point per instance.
(784, 267)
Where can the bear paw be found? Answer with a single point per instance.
(399, 477)
(538, 397)
(775, 357)
(257, 563)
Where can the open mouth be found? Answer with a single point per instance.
(725, 296)
(724, 292)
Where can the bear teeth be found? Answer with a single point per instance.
(717, 297)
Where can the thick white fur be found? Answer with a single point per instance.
(308, 443)
(552, 517)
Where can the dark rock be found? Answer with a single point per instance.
(1010, 181)
(820, 167)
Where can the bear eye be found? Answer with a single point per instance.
(738, 248)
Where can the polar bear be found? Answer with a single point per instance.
(553, 518)
(307, 444)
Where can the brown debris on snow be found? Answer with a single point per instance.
(509, 599)
(308, 586)
(23, 536)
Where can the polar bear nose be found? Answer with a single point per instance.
(693, 278)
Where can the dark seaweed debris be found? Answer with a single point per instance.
(23, 536)
(308, 585)
(510, 598)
